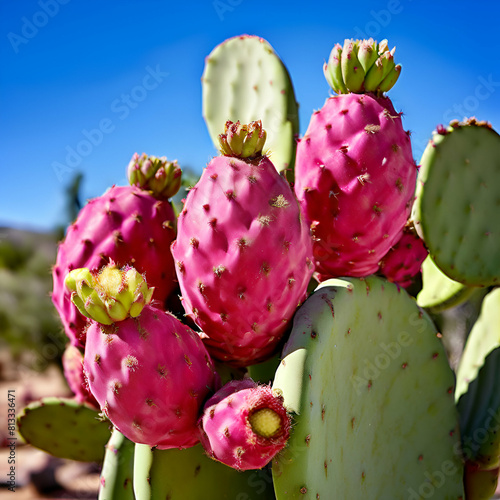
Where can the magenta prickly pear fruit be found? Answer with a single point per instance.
(242, 251)
(158, 175)
(126, 225)
(404, 260)
(72, 361)
(355, 173)
(244, 425)
(150, 374)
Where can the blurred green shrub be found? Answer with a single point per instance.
(29, 326)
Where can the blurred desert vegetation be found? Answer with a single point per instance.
(30, 330)
(31, 334)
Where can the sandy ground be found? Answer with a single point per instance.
(39, 475)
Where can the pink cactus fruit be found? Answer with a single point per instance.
(244, 425)
(72, 361)
(150, 373)
(355, 173)
(126, 225)
(242, 251)
(404, 260)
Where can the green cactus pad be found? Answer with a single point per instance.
(184, 474)
(458, 201)
(483, 339)
(245, 80)
(64, 428)
(477, 395)
(372, 391)
(118, 469)
(479, 410)
(440, 292)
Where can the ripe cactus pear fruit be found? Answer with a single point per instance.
(72, 361)
(404, 260)
(150, 373)
(355, 173)
(242, 251)
(244, 425)
(126, 225)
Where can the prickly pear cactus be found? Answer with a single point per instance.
(372, 392)
(462, 232)
(190, 474)
(370, 410)
(245, 80)
(64, 428)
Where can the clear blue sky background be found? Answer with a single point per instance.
(63, 72)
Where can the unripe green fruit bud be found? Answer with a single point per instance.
(362, 66)
(242, 141)
(158, 175)
(109, 294)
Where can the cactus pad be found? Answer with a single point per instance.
(479, 411)
(118, 469)
(189, 473)
(372, 390)
(440, 292)
(483, 338)
(64, 428)
(457, 202)
(479, 401)
(245, 80)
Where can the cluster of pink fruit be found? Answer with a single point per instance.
(242, 252)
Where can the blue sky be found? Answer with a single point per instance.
(66, 66)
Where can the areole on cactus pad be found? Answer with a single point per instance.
(243, 251)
